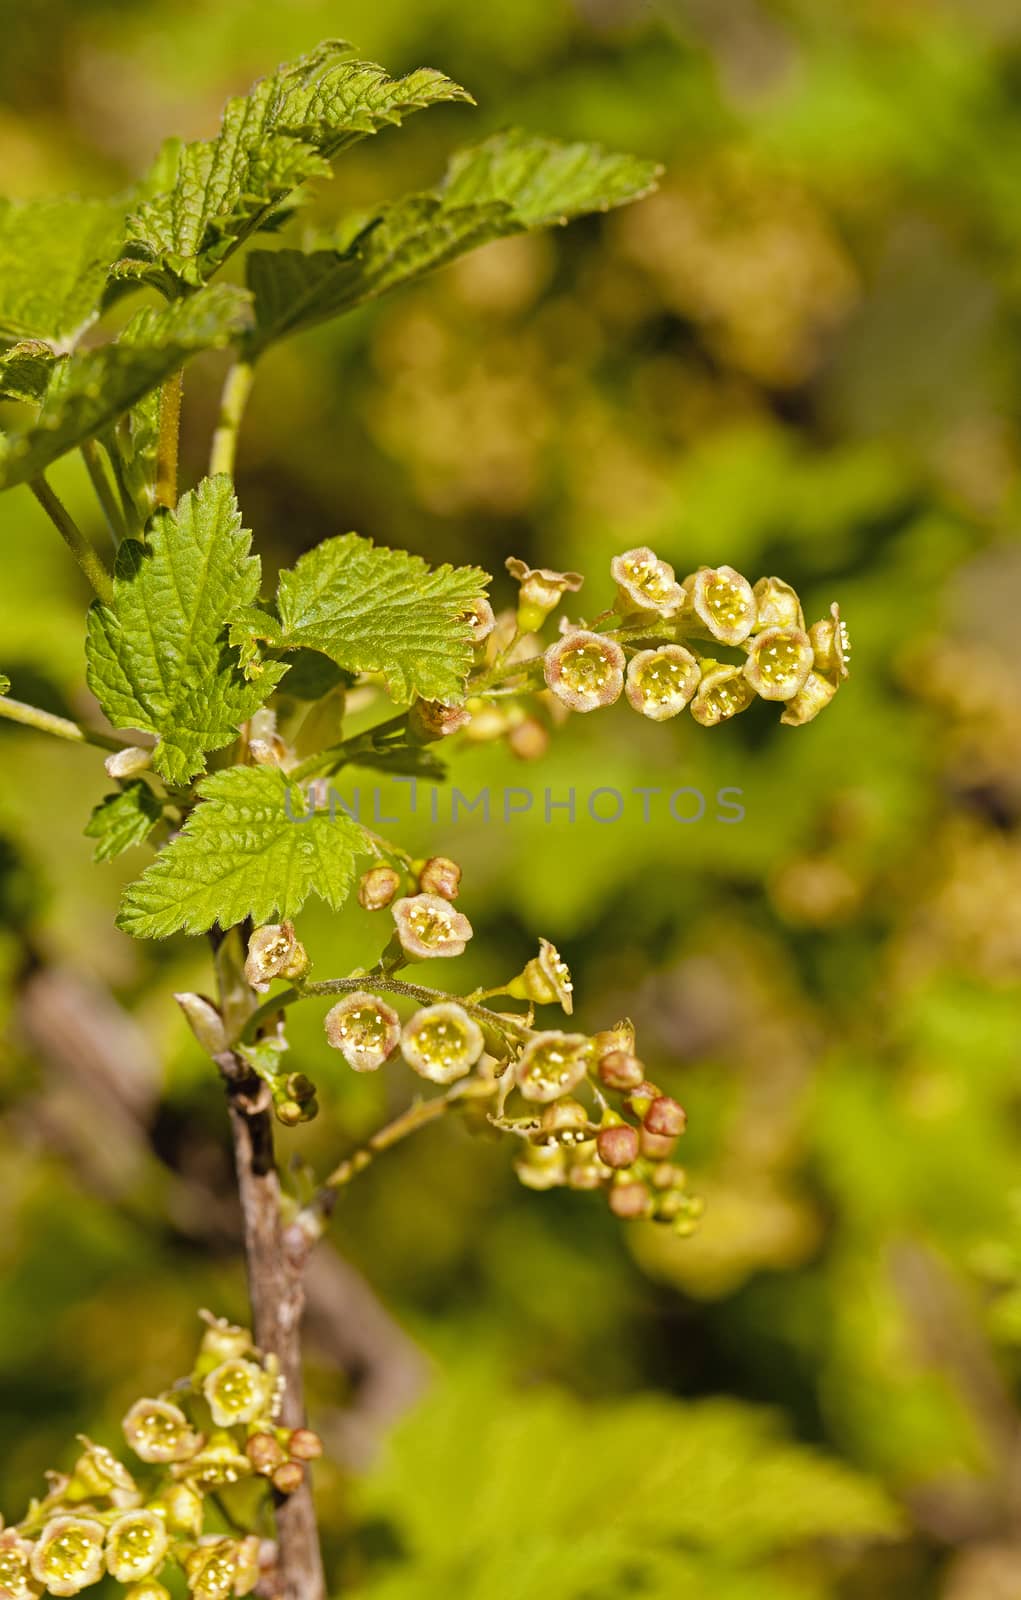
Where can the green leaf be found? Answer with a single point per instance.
(90, 391)
(158, 658)
(376, 610)
(241, 855)
(270, 141)
(26, 370)
(54, 259)
(508, 184)
(123, 819)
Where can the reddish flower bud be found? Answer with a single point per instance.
(665, 1116)
(305, 1445)
(618, 1146)
(630, 1201)
(289, 1477)
(440, 876)
(378, 887)
(621, 1070)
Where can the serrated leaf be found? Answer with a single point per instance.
(376, 610)
(508, 184)
(159, 658)
(54, 260)
(270, 141)
(88, 392)
(123, 819)
(26, 370)
(241, 855)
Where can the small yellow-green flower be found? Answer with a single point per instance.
(219, 1462)
(722, 693)
(274, 952)
(212, 1569)
(661, 682)
(365, 1030)
(813, 697)
(221, 1341)
(778, 605)
(135, 1546)
(645, 583)
(69, 1555)
(428, 925)
(541, 591)
(159, 1432)
(724, 602)
(238, 1391)
(546, 980)
(442, 1042)
(16, 1581)
(585, 670)
(779, 661)
(832, 645)
(98, 1474)
(552, 1064)
(542, 1166)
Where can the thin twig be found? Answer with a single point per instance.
(169, 437)
(419, 1115)
(236, 389)
(61, 727)
(104, 490)
(368, 981)
(72, 535)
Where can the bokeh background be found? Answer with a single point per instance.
(801, 356)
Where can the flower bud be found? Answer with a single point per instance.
(99, 1475)
(135, 1546)
(541, 592)
(655, 1146)
(159, 1432)
(546, 980)
(587, 1175)
(427, 925)
(128, 763)
(777, 605)
(365, 1030)
(724, 602)
(205, 1022)
(665, 1116)
(69, 1555)
(618, 1145)
(429, 720)
(661, 682)
(528, 739)
(378, 887)
(288, 1477)
(621, 1070)
(16, 1582)
(779, 661)
(299, 1087)
(265, 1452)
(640, 1098)
(552, 1064)
(620, 1037)
(814, 696)
(645, 583)
(832, 645)
(274, 952)
(440, 876)
(291, 1113)
(442, 1042)
(585, 670)
(238, 1391)
(630, 1201)
(542, 1166)
(722, 693)
(305, 1445)
(481, 620)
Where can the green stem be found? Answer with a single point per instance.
(104, 490)
(417, 1116)
(236, 389)
(75, 540)
(371, 980)
(169, 438)
(60, 727)
(327, 761)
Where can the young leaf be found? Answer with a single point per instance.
(158, 658)
(123, 819)
(377, 610)
(251, 848)
(508, 184)
(90, 391)
(54, 260)
(26, 370)
(270, 141)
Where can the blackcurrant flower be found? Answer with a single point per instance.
(181, 1508)
(567, 1122)
(481, 619)
(645, 583)
(442, 1042)
(661, 682)
(238, 1391)
(219, 1462)
(429, 720)
(212, 1570)
(778, 605)
(16, 1581)
(98, 1474)
(584, 670)
(440, 876)
(364, 1029)
(221, 1341)
(619, 1069)
(541, 591)
(542, 1166)
(722, 693)
(274, 952)
(159, 1432)
(428, 925)
(135, 1546)
(378, 887)
(69, 1555)
(832, 645)
(552, 1064)
(814, 696)
(779, 661)
(724, 602)
(546, 980)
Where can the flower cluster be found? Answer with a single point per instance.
(214, 1429)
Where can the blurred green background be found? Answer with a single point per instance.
(801, 356)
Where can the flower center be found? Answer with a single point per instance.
(780, 660)
(70, 1555)
(586, 667)
(430, 926)
(662, 680)
(726, 602)
(441, 1043)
